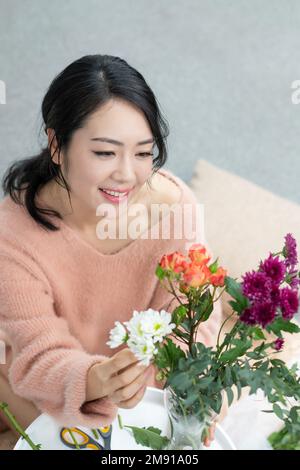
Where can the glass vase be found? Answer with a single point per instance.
(186, 428)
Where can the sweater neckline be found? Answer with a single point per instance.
(70, 234)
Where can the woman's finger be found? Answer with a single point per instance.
(211, 436)
(212, 432)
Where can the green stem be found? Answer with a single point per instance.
(226, 319)
(18, 427)
(227, 343)
(174, 292)
(217, 298)
(179, 338)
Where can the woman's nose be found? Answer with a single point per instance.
(125, 170)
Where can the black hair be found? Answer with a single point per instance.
(76, 92)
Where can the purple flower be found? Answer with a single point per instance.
(278, 344)
(261, 313)
(275, 296)
(264, 313)
(289, 302)
(256, 286)
(248, 316)
(290, 250)
(274, 269)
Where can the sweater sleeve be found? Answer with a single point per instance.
(49, 365)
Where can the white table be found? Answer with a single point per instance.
(149, 412)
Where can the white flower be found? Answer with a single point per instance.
(145, 330)
(143, 350)
(118, 335)
(162, 325)
(150, 324)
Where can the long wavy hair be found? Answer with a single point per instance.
(73, 95)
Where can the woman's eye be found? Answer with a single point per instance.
(103, 153)
(145, 154)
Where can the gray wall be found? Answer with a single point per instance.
(221, 70)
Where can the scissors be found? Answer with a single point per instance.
(84, 441)
(105, 432)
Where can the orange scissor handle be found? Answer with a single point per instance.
(87, 441)
(105, 429)
(92, 446)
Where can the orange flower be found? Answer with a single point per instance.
(196, 275)
(198, 254)
(217, 279)
(175, 262)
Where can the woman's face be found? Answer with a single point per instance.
(124, 166)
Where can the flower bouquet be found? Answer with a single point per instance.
(197, 379)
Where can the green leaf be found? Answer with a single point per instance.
(186, 325)
(179, 314)
(285, 439)
(228, 377)
(180, 381)
(256, 333)
(204, 307)
(277, 362)
(230, 395)
(278, 411)
(239, 389)
(235, 290)
(191, 399)
(149, 437)
(234, 353)
(160, 273)
(294, 416)
(280, 324)
(214, 266)
(204, 382)
(168, 355)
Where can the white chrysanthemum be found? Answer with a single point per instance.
(145, 330)
(144, 350)
(151, 324)
(118, 336)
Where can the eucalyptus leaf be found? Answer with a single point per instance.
(149, 437)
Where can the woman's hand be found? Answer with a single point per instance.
(208, 440)
(223, 413)
(121, 378)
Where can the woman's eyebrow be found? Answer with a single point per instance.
(117, 142)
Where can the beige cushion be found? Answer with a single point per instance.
(243, 221)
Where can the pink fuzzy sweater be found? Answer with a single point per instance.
(59, 299)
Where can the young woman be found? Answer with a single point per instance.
(62, 286)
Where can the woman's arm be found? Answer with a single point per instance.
(49, 366)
